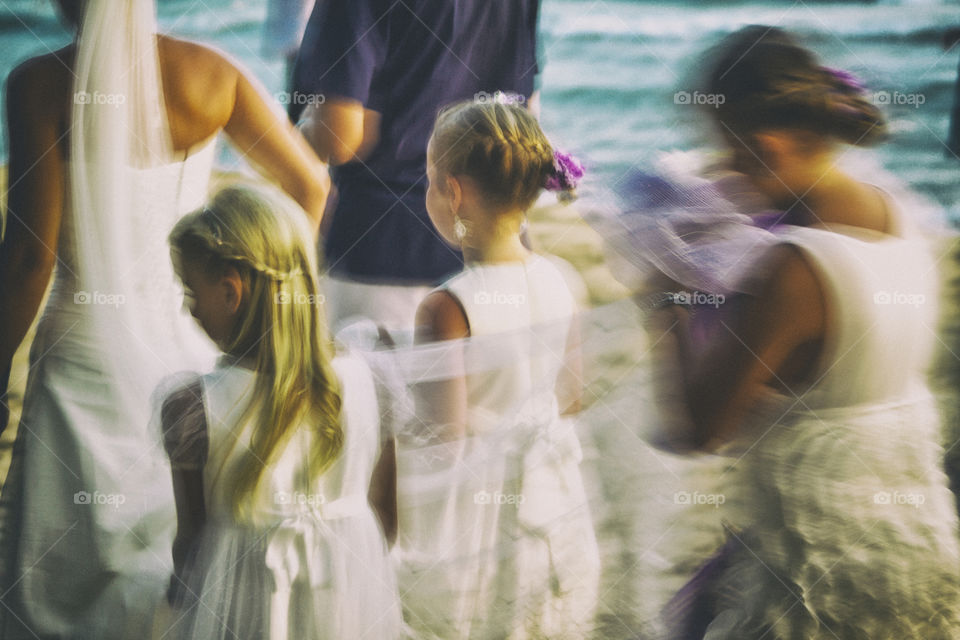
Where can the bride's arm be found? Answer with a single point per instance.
(271, 142)
(207, 91)
(34, 198)
(382, 493)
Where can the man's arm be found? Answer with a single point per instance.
(344, 47)
(340, 130)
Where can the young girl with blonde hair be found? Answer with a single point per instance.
(495, 534)
(276, 454)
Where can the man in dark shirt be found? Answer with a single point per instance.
(373, 75)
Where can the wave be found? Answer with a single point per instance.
(621, 20)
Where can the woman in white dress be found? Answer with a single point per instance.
(110, 142)
(277, 460)
(817, 383)
(495, 533)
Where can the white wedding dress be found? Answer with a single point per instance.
(89, 514)
(88, 510)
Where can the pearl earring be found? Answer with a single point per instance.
(459, 228)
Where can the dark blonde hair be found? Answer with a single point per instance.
(500, 146)
(767, 80)
(265, 236)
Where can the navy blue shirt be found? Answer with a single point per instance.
(406, 59)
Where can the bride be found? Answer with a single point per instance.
(111, 139)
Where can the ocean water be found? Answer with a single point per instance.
(613, 68)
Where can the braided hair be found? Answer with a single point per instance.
(265, 236)
(500, 146)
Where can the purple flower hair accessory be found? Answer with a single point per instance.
(566, 175)
(847, 79)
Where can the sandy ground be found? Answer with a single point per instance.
(651, 539)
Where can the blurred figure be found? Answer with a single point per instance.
(111, 139)
(817, 381)
(372, 75)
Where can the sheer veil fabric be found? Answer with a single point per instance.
(89, 493)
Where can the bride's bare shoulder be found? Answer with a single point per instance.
(202, 61)
(199, 85)
(43, 78)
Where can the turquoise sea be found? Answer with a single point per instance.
(613, 68)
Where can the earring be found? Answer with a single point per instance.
(459, 228)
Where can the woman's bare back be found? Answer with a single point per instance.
(205, 93)
(199, 84)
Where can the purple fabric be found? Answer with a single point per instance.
(689, 232)
(692, 608)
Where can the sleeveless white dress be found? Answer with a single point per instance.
(496, 538)
(312, 562)
(88, 507)
(854, 530)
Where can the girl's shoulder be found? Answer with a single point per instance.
(177, 389)
(564, 272)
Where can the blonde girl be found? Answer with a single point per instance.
(275, 452)
(496, 538)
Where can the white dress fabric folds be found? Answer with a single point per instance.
(495, 538)
(88, 508)
(311, 562)
(853, 530)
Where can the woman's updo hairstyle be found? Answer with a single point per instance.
(764, 79)
(500, 146)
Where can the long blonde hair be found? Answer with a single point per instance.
(264, 235)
